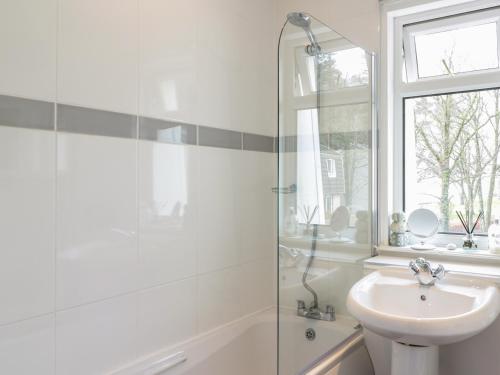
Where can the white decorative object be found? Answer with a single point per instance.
(423, 223)
(494, 237)
(451, 246)
(398, 230)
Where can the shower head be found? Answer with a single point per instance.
(303, 21)
(299, 19)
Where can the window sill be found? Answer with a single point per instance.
(481, 264)
(459, 254)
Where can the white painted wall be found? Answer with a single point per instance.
(479, 355)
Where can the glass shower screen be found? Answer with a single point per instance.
(326, 189)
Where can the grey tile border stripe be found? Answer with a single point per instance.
(26, 113)
(95, 122)
(36, 114)
(287, 143)
(256, 142)
(216, 137)
(167, 131)
(351, 140)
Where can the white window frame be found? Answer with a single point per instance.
(352, 95)
(444, 24)
(393, 90)
(331, 168)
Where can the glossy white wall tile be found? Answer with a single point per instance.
(233, 81)
(214, 42)
(257, 279)
(131, 245)
(27, 187)
(219, 218)
(168, 206)
(220, 298)
(167, 315)
(98, 54)
(28, 48)
(97, 218)
(256, 205)
(27, 347)
(168, 59)
(96, 338)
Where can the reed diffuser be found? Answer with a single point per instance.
(469, 226)
(308, 217)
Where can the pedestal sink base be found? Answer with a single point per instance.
(414, 360)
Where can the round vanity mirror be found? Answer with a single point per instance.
(423, 223)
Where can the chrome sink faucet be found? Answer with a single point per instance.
(425, 274)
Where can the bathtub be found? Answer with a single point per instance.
(298, 354)
(247, 346)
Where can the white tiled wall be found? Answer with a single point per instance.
(219, 218)
(114, 248)
(97, 337)
(168, 206)
(28, 48)
(168, 62)
(208, 62)
(97, 44)
(27, 346)
(97, 255)
(27, 234)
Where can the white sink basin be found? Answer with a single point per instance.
(391, 302)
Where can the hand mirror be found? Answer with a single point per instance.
(423, 223)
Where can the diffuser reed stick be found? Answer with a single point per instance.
(469, 227)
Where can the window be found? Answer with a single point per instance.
(452, 148)
(449, 98)
(330, 167)
(329, 204)
(335, 138)
(341, 67)
(451, 46)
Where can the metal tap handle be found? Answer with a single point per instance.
(414, 267)
(439, 272)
